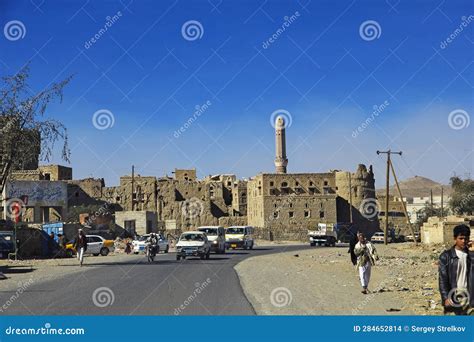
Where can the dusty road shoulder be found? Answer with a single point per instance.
(322, 281)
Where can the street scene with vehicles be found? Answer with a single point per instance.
(235, 158)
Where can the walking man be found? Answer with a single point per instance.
(81, 246)
(455, 274)
(366, 256)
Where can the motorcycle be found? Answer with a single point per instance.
(151, 252)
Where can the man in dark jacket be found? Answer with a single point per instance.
(80, 245)
(455, 274)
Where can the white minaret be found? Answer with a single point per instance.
(280, 145)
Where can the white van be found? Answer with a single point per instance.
(239, 237)
(216, 236)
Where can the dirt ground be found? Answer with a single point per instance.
(323, 281)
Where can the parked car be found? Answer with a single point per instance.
(193, 243)
(7, 244)
(239, 237)
(216, 236)
(96, 245)
(410, 238)
(140, 242)
(379, 237)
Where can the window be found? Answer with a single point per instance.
(199, 189)
(325, 183)
(229, 183)
(284, 184)
(321, 214)
(275, 205)
(271, 183)
(291, 214)
(311, 184)
(296, 183)
(306, 205)
(275, 214)
(47, 176)
(307, 214)
(129, 225)
(291, 205)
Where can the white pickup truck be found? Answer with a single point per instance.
(325, 233)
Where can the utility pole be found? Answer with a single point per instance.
(431, 200)
(442, 202)
(403, 204)
(387, 192)
(350, 197)
(133, 187)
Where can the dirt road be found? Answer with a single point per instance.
(322, 281)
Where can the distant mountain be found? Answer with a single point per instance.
(417, 187)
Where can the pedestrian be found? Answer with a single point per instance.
(455, 274)
(352, 243)
(51, 244)
(61, 241)
(81, 246)
(366, 257)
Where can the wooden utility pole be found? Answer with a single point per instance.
(133, 187)
(350, 197)
(387, 192)
(431, 200)
(403, 203)
(442, 203)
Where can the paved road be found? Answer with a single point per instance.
(166, 287)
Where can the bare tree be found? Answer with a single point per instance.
(25, 133)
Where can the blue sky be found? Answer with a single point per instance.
(320, 70)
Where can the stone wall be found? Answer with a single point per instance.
(55, 172)
(145, 221)
(440, 230)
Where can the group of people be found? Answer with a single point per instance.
(456, 277)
